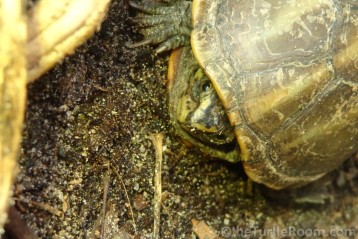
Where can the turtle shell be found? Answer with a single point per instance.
(287, 75)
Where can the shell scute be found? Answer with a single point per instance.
(290, 70)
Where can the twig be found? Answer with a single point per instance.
(129, 202)
(158, 145)
(106, 181)
(43, 206)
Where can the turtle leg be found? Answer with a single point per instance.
(165, 25)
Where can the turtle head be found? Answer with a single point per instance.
(200, 112)
(196, 110)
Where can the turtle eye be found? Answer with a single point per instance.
(201, 89)
(206, 85)
(201, 85)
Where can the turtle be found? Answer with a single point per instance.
(271, 84)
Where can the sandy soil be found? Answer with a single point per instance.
(88, 161)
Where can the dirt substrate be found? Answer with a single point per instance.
(87, 160)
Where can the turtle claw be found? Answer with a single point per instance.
(149, 8)
(138, 44)
(151, 21)
(168, 25)
(172, 43)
